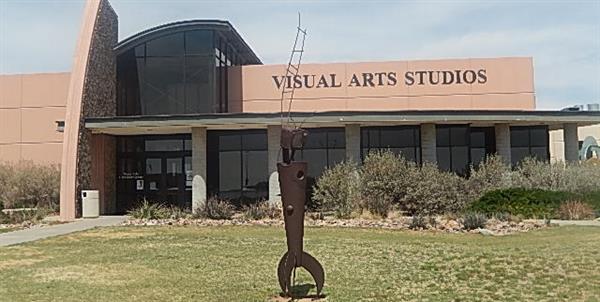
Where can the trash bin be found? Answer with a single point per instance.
(90, 203)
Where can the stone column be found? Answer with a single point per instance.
(428, 143)
(198, 168)
(502, 132)
(571, 141)
(353, 143)
(273, 138)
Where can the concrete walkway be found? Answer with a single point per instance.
(577, 222)
(33, 234)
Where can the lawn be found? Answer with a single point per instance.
(238, 263)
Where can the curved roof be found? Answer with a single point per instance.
(219, 25)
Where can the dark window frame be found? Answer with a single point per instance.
(366, 142)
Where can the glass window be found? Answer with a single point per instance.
(453, 152)
(404, 140)
(237, 165)
(529, 141)
(198, 42)
(153, 166)
(164, 145)
(483, 143)
(166, 46)
(324, 148)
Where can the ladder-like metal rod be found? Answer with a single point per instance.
(292, 71)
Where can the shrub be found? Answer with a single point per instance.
(215, 208)
(474, 220)
(33, 215)
(337, 190)
(175, 212)
(384, 180)
(150, 210)
(262, 210)
(29, 185)
(433, 192)
(575, 210)
(529, 203)
(418, 222)
(491, 174)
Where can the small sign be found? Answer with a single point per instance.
(139, 184)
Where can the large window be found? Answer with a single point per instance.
(324, 148)
(237, 165)
(177, 73)
(529, 141)
(483, 143)
(157, 168)
(453, 149)
(404, 140)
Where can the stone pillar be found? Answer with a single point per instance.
(198, 168)
(571, 141)
(353, 143)
(502, 132)
(428, 143)
(274, 153)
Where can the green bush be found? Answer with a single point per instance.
(474, 220)
(29, 185)
(337, 190)
(529, 203)
(216, 208)
(150, 210)
(262, 210)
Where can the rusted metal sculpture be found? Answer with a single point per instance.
(292, 182)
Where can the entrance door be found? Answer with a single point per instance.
(165, 180)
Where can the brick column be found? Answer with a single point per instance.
(503, 142)
(353, 143)
(428, 143)
(273, 139)
(198, 168)
(571, 141)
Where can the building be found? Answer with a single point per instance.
(186, 110)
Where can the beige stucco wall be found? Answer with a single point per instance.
(557, 143)
(30, 105)
(508, 84)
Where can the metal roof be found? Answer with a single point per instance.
(130, 125)
(223, 26)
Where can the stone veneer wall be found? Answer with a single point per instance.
(99, 95)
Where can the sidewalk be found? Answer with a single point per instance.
(33, 234)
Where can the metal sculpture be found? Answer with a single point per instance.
(292, 181)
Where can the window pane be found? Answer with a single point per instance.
(443, 158)
(477, 137)
(317, 138)
(199, 42)
(317, 161)
(518, 153)
(229, 171)
(170, 45)
(230, 142)
(164, 145)
(459, 135)
(460, 159)
(389, 138)
(442, 134)
(162, 88)
(519, 136)
(336, 138)
(255, 173)
(336, 156)
(539, 137)
(254, 141)
(541, 153)
(477, 155)
(199, 86)
(153, 166)
(405, 137)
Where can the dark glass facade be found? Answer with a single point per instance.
(237, 165)
(404, 140)
(459, 146)
(157, 168)
(324, 148)
(177, 73)
(529, 141)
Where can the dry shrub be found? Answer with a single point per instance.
(337, 190)
(491, 174)
(261, 210)
(27, 185)
(384, 181)
(575, 210)
(216, 208)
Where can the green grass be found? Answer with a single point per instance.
(6, 230)
(239, 263)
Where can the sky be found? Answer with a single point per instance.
(563, 37)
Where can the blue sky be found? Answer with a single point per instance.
(563, 37)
